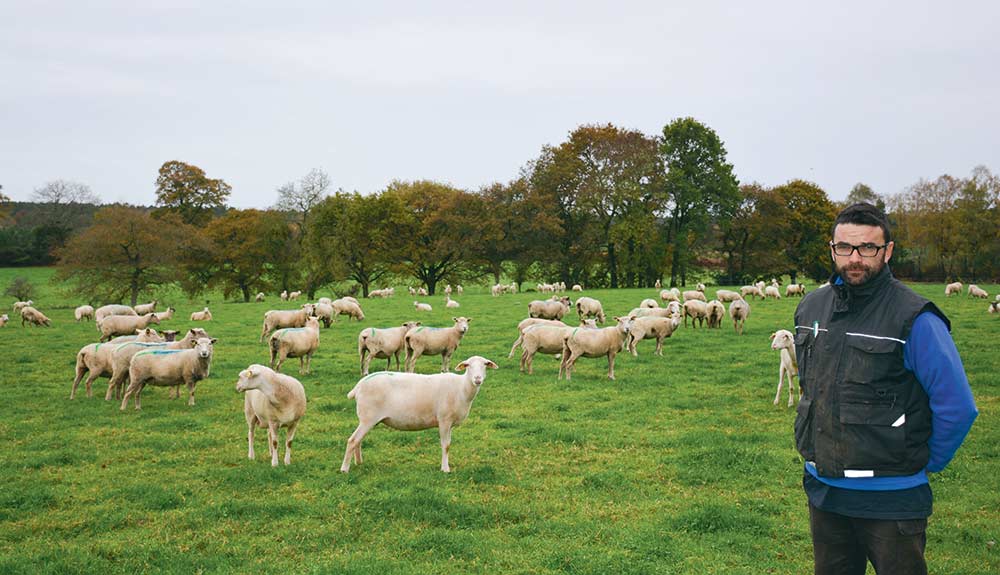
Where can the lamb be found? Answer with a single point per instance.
(203, 315)
(412, 402)
(348, 307)
(383, 343)
(976, 291)
(668, 295)
(696, 310)
(594, 343)
(259, 298)
(272, 400)
(701, 287)
(760, 285)
(422, 306)
(951, 288)
(587, 307)
(795, 289)
(727, 296)
(112, 309)
(784, 341)
(771, 291)
(751, 290)
(144, 308)
(84, 312)
(658, 328)
(165, 315)
(124, 324)
(649, 303)
(739, 310)
(422, 291)
(447, 289)
(694, 295)
(674, 308)
(549, 309)
(434, 341)
(3, 320)
(275, 319)
(300, 342)
(34, 317)
(94, 360)
(122, 353)
(19, 305)
(716, 311)
(169, 367)
(450, 303)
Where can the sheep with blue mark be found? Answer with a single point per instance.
(169, 367)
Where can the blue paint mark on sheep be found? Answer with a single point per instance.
(157, 352)
(371, 375)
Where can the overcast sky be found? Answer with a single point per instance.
(259, 93)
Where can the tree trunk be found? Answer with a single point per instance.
(613, 265)
(246, 292)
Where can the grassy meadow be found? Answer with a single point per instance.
(681, 465)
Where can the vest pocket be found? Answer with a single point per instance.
(804, 429)
(870, 360)
(874, 435)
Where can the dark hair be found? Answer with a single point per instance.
(863, 214)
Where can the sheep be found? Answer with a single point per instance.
(752, 291)
(587, 307)
(650, 328)
(84, 312)
(284, 295)
(413, 290)
(577, 287)
(771, 291)
(422, 306)
(447, 289)
(994, 308)
(701, 287)
(526, 323)
(411, 402)
(300, 342)
(760, 285)
(716, 311)
(383, 343)
(259, 297)
(434, 341)
(459, 289)
(541, 338)
(112, 309)
(422, 291)
(668, 295)
(324, 312)
(784, 341)
(94, 360)
(144, 308)
(19, 305)
(275, 319)
(997, 298)
(4, 319)
(350, 299)
(124, 324)
(292, 296)
(694, 295)
(121, 358)
(795, 289)
(696, 310)
(348, 307)
(976, 291)
(203, 315)
(727, 296)
(450, 303)
(165, 315)
(657, 284)
(34, 317)
(594, 343)
(649, 303)
(739, 310)
(668, 311)
(169, 367)
(549, 309)
(951, 288)
(272, 400)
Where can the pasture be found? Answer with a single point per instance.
(681, 465)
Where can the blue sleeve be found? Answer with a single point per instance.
(931, 355)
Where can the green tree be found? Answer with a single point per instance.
(863, 193)
(805, 229)
(20, 289)
(184, 189)
(976, 208)
(239, 243)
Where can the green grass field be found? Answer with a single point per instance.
(681, 465)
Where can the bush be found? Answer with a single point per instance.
(21, 289)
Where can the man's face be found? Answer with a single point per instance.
(855, 269)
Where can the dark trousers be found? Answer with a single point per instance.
(843, 545)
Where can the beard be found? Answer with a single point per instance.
(858, 273)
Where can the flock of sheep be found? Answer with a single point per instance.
(132, 355)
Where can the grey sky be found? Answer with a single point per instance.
(259, 93)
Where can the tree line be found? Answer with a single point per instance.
(608, 207)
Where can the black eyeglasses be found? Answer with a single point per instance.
(845, 249)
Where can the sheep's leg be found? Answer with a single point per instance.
(289, 435)
(388, 361)
(263, 332)
(272, 442)
(781, 376)
(525, 360)
(413, 355)
(659, 345)
(444, 429)
(446, 361)
(569, 357)
(611, 364)
(363, 352)
(354, 445)
(251, 423)
(302, 365)
(190, 383)
(80, 370)
(517, 342)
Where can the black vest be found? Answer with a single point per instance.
(862, 414)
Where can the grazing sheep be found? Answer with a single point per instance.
(696, 310)
(19, 305)
(300, 342)
(260, 297)
(94, 360)
(784, 341)
(34, 317)
(411, 402)
(602, 342)
(350, 299)
(272, 400)
(84, 312)
(144, 308)
(694, 295)
(434, 341)
(727, 296)
(668, 295)
(325, 300)
(275, 319)
(324, 312)
(760, 285)
(348, 307)
(122, 353)
(549, 309)
(739, 310)
(752, 291)
(951, 288)
(658, 328)
(3, 320)
(112, 309)
(124, 324)
(649, 303)
(165, 315)
(422, 306)
(450, 303)
(169, 367)
(587, 307)
(203, 315)
(976, 291)
(771, 291)
(795, 289)
(292, 296)
(716, 311)
(383, 343)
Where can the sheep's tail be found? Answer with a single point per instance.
(353, 392)
(81, 365)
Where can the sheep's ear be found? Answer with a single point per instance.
(215, 339)
(491, 365)
(455, 319)
(462, 366)
(138, 331)
(774, 334)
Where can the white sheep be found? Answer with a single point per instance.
(657, 284)
(324, 312)
(34, 317)
(542, 338)
(587, 307)
(422, 291)
(727, 296)
(649, 303)
(604, 342)
(422, 306)
(549, 309)
(994, 308)
(772, 291)
(169, 367)
(259, 297)
(284, 295)
(577, 287)
(696, 310)
(276, 319)
(19, 305)
(84, 312)
(955, 287)
(697, 295)
(122, 353)
(144, 308)
(658, 328)
(203, 315)
(795, 289)
(383, 343)
(716, 311)
(94, 360)
(524, 324)
(701, 287)
(115, 325)
(292, 296)
(784, 340)
(450, 303)
(300, 342)
(272, 400)
(669, 311)
(112, 309)
(459, 289)
(751, 291)
(976, 291)
(760, 285)
(668, 295)
(4, 319)
(447, 289)
(349, 307)
(739, 311)
(165, 315)
(434, 341)
(411, 402)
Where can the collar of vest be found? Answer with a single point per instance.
(847, 293)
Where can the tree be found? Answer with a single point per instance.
(805, 229)
(60, 213)
(239, 249)
(124, 254)
(302, 198)
(20, 289)
(699, 185)
(977, 209)
(184, 189)
(863, 193)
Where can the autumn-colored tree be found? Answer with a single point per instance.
(863, 193)
(124, 254)
(805, 229)
(977, 207)
(184, 189)
(240, 248)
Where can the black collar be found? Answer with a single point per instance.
(847, 294)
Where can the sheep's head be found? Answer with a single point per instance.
(462, 323)
(411, 324)
(624, 324)
(475, 368)
(152, 318)
(782, 339)
(312, 321)
(250, 377)
(310, 308)
(204, 347)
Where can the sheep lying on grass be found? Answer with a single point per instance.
(411, 402)
(84, 312)
(169, 367)
(203, 315)
(784, 340)
(94, 360)
(694, 295)
(300, 342)
(383, 343)
(34, 317)
(165, 315)
(434, 341)
(450, 303)
(605, 342)
(658, 328)
(272, 400)
(739, 310)
(727, 296)
(422, 306)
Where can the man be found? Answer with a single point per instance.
(885, 401)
